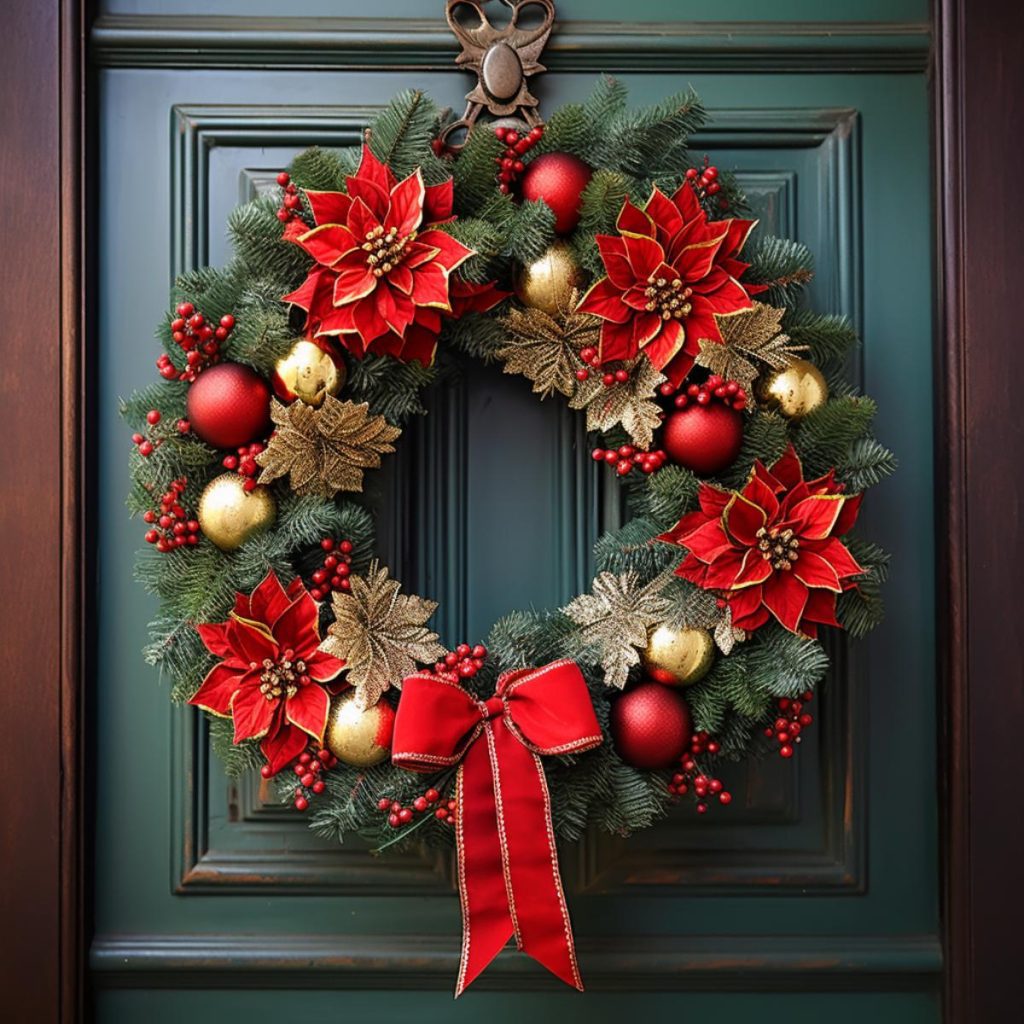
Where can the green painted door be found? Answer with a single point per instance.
(816, 897)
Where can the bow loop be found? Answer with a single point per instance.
(425, 742)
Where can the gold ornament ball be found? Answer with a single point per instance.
(547, 284)
(229, 515)
(308, 373)
(796, 391)
(359, 736)
(678, 657)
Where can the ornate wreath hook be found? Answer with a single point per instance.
(503, 59)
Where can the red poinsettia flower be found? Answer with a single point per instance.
(670, 270)
(772, 548)
(269, 678)
(381, 262)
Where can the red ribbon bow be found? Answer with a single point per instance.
(508, 865)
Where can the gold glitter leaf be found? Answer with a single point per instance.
(545, 349)
(380, 633)
(630, 404)
(617, 616)
(749, 337)
(325, 450)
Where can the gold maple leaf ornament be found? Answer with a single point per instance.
(749, 337)
(325, 450)
(630, 404)
(546, 349)
(380, 633)
(617, 616)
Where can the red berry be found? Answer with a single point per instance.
(319, 786)
(346, 547)
(153, 417)
(420, 803)
(283, 178)
(301, 803)
(383, 804)
(441, 813)
(621, 376)
(479, 651)
(597, 454)
(393, 820)
(608, 379)
(432, 796)
(786, 751)
(725, 797)
(405, 815)
(307, 780)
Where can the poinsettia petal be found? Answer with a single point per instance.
(269, 599)
(663, 338)
(644, 255)
(217, 689)
(785, 597)
(835, 552)
(814, 517)
(430, 286)
(613, 255)
(451, 253)
(681, 364)
(758, 492)
(708, 541)
(368, 322)
(362, 219)
(754, 570)
(297, 627)
(252, 713)
(694, 262)
(439, 202)
(308, 710)
(282, 746)
(372, 183)
(419, 344)
(816, 571)
(747, 607)
(215, 638)
(353, 285)
(724, 570)
(634, 221)
(617, 341)
(304, 295)
(469, 297)
(322, 668)
(821, 608)
(663, 212)
(328, 243)
(712, 500)
(400, 278)
(742, 518)
(685, 200)
(402, 312)
(416, 254)
(604, 299)
(251, 640)
(340, 321)
(406, 211)
(848, 516)
(328, 207)
(787, 469)
(739, 232)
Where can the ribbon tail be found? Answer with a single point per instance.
(487, 923)
(537, 899)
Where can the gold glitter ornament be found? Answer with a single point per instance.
(548, 283)
(308, 373)
(356, 735)
(229, 515)
(678, 657)
(796, 391)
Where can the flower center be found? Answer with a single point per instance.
(385, 250)
(777, 546)
(282, 678)
(667, 298)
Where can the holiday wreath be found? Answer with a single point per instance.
(596, 257)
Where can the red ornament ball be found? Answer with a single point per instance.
(229, 405)
(704, 438)
(650, 726)
(559, 179)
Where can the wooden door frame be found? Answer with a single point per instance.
(46, 412)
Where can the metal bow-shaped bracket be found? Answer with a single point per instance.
(503, 58)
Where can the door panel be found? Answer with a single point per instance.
(821, 878)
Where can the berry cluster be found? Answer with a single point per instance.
(310, 769)
(510, 163)
(291, 204)
(626, 457)
(171, 527)
(464, 662)
(704, 786)
(714, 389)
(147, 445)
(792, 721)
(244, 463)
(428, 801)
(198, 340)
(336, 569)
(705, 183)
(609, 378)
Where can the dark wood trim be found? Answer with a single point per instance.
(752, 964)
(41, 420)
(426, 44)
(979, 92)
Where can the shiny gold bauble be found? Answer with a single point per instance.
(796, 391)
(547, 284)
(359, 737)
(308, 373)
(229, 515)
(678, 657)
